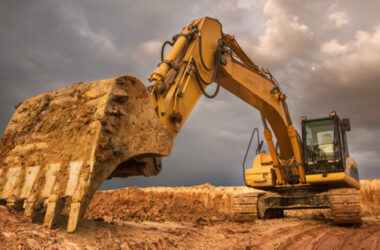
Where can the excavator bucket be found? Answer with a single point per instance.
(60, 146)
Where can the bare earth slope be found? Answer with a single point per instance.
(191, 218)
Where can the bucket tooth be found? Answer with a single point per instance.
(30, 210)
(10, 188)
(29, 179)
(75, 214)
(74, 176)
(50, 179)
(54, 208)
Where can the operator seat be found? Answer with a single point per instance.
(327, 147)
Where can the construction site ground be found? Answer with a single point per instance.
(191, 218)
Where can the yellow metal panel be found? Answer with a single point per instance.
(257, 180)
(333, 178)
(186, 80)
(266, 158)
(255, 89)
(260, 175)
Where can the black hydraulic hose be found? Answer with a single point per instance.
(201, 54)
(163, 48)
(200, 80)
(249, 146)
(216, 62)
(184, 50)
(204, 91)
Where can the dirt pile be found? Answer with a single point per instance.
(200, 204)
(204, 203)
(370, 197)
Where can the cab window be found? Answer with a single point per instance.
(322, 141)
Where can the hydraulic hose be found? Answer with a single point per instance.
(216, 74)
(259, 144)
(163, 48)
(201, 54)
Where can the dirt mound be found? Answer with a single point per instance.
(204, 203)
(370, 197)
(136, 204)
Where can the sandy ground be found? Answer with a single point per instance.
(190, 218)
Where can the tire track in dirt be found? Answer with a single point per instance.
(300, 235)
(366, 231)
(330, 236)
(275, 232)
(285, 234)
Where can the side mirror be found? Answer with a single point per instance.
(346, 126)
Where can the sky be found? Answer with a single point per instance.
(325, 55)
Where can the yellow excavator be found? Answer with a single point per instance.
(59, 147)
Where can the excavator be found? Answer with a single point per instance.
(60, 146)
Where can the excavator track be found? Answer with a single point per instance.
(244, 207)
(345, 205)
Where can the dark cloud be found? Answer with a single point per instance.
(324, 54)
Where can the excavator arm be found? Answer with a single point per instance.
(201, 55)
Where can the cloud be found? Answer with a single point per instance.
(333, 47)
(339, 18)
(283, 36)
(151, 47)
(357, 60)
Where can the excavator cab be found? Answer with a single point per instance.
(325, 145)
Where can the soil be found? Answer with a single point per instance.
(191, 218)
